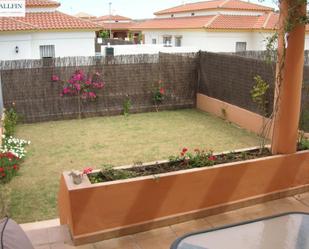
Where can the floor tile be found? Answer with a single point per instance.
(304, 198)
(289, 204)
(70, 246)
(190, 226)
(59, 234)
(161, 238)
(227, 218)
(42, 247)
(126, 242)
(164, 231)
(40, 224)
(38, 237)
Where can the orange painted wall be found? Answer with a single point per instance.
(248, 120)
(93, 208)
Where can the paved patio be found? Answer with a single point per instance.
(49, 235)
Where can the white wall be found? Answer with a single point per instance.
(148, 49)
(210, 41)
(213, 12)
(8, 44)
(66, 44)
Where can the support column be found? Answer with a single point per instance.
(290, 62)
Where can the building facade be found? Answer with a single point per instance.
(45, 32)
(216, 26)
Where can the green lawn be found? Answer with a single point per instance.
(75, 144)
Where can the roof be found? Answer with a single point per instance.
(84, 15)
(116, 26)
(113, 18)
(267, 21)
(45, 21)
(41, 3)
(216, 4)
(174, 23)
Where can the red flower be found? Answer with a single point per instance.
(162, 90)
(87, 171)
(10, 155)
(1, 170)
(3, 174)
(182, 154)
(15, 167)
(55, 78)
(212, 158)
(184, 150)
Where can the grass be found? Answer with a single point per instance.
(75, 144)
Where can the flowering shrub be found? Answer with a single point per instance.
(81, 85)
(9, 165)
(198, 158)
(159, 95)
(14, 145)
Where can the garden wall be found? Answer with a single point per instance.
(28, 84)
(230, 78)
(225, 77)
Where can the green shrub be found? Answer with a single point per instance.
(127, 106)
(304, 144)
(5, 193)
(11, 119)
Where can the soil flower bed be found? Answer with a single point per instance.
(185, 160)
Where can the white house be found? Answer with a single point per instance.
(217, 26)
(45, 32)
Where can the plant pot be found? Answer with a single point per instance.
(100, 211)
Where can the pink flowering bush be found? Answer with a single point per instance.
(81, 85)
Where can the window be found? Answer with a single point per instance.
(192, 14)
(47, 51)
(154, 41)
(167, 40)
(241, 46)
(178, 41)
(172, 15)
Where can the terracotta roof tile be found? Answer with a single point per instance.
(45, 21)
(216, 4)
(174, 23)
(9, 24)
(113, 18)
(41, 3)
(116, 26)
(235, 22)
(267, 21)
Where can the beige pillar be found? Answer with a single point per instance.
(291, 64)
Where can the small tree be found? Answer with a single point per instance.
(158, 95)
(259, 96)
(104, 34)
(82, 86)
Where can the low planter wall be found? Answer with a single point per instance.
(246, 119)
(99, 211)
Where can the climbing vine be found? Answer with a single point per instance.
(295, 16)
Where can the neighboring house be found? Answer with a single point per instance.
(85, 16)
(118, 25)
(45, 32)
(217, 26)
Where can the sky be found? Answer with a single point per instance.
(135, 9)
